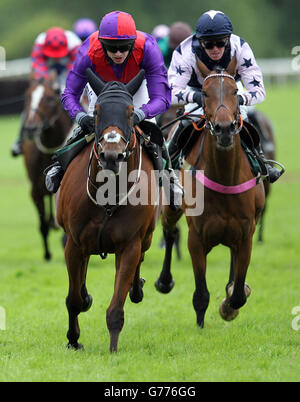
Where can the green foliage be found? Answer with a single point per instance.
(160, 340)
(263, 23)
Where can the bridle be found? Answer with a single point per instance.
(238, 122)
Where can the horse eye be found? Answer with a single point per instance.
(235, 92)
(204, 94)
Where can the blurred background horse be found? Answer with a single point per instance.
(45, 127)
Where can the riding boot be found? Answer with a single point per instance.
(174, 186)
(173, 146)
(16, 149)
(55, 172)
(273, 173)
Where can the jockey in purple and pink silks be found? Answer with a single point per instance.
(117, 52)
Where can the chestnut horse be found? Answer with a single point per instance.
(95, 227)
(45, 129)
(233, 199)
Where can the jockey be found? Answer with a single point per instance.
(84, 27)
(178, 32)
(215, 45)
(55, 50)
(117, 52)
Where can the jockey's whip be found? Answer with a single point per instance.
(179, 118)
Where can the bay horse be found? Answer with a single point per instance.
(45, 128)
(233, 198)
(95, 228)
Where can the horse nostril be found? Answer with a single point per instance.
(218, 128)
(120, 157)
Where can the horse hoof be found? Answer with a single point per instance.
(88, 301)
(76, 346)
(47, 256)
(137, 297)
(164, 288)
(227, 312)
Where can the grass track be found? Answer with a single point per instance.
(160, 340)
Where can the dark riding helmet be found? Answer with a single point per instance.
(117, 29)
(213, 24)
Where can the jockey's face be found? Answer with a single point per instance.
(215, 48)
(118, 57)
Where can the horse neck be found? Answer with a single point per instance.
(223, 166)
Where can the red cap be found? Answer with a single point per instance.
(56, 44)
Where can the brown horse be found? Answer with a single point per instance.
(233, 201)
(98, 227)
(45, 128)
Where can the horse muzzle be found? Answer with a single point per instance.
(111, 159)
(224, 133)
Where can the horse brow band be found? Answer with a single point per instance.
(218, 75)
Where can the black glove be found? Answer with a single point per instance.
(138, 116)
(197, 98)
(240, 100)
(86, 122)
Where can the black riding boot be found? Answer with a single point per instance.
(173, 183)
(16, 149)
(55, 172)
(273, 173)
(173, 146)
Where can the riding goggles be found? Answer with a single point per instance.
(120, 48)
(208, 44)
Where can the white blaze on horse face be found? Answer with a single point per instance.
(112, 136)
(36, 97)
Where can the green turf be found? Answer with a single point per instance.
(160, 340)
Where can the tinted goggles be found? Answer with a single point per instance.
(208, 44)
(115, 48)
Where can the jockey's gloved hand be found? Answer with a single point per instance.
(86, 122)
(138, 116)
(197, 98)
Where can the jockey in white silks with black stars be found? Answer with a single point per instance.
(215, 45)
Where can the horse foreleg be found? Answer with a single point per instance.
(38, 200)
(78, 300)
(237, 291)
(165, 281)
(201, 294)
(126, 264)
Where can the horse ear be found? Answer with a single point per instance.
(231, 68)
(204, 71)
(95, 82)
(135, 83)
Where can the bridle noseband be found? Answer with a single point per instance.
(238, 122)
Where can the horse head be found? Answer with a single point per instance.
(42, 105)
(220, 103)
(114, 119)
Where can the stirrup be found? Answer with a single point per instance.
(279, 173)
(176, 191)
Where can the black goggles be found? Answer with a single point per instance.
(208, 44)
(115, 48)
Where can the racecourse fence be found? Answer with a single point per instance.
(15, 74)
